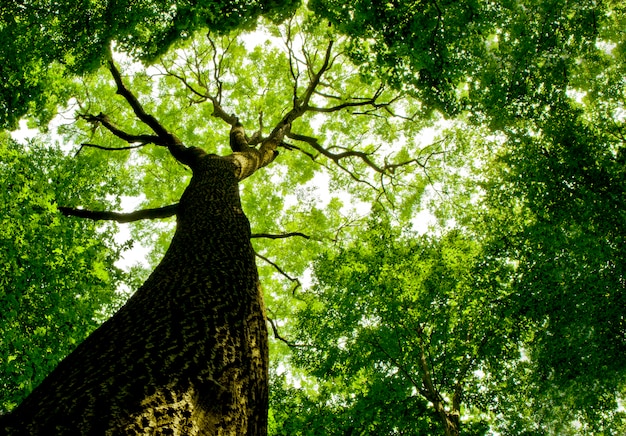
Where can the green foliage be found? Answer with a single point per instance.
(516, 295)
(374, 406)
(44, 40)
(570, 257)
(57, 277)
(387, 312)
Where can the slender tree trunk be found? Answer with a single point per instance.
(187, 354)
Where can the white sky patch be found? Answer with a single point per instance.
(23, 134)
(422, 221)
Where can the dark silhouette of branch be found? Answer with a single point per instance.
(281, 236)
(165, 138)
(103, 120)
(357, 102)
(160, 212)
(101, 147)
(283, 273)
(135, 105)
(280, 338)
(218, 110)
(335, 157)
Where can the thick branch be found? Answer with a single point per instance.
(252, 159)
(104, 120)
(160, 212)
(135, 105)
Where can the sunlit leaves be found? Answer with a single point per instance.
(384, 304)
(57, 276)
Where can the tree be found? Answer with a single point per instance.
(58, 278)
(188, 351)
(407, 323)
(525, 180)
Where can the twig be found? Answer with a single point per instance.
(283, 273)
(280, 338)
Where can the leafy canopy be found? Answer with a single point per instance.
(504, 120)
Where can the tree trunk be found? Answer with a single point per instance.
(187, 354)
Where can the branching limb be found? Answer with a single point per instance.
(280, 338)
(160, 212)
(103, 120)
(252, 159)
(335, 157)
(357, 102)
(294, 280)
(165, 137)
(218, 110)
(135, 105)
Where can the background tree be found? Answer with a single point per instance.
(402, 327)
(58, 278)
(46, 42)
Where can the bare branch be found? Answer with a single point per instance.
(281, 236)
(160, 212)
(100, 147)
(280, 338)
(294, 280)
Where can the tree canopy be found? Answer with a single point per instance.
(499, 123)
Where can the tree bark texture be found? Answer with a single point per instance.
(187, 354)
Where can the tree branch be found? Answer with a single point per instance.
(165, 138)
(283, 273)
(280, 338)
(281, 236)
(336, 157)
(104, 120)
(101, 147)
(160, 212)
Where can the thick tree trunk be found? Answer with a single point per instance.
(187, 354)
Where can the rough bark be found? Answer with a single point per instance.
(187, 354)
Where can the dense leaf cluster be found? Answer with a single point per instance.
(43, 41)
(58, 278)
